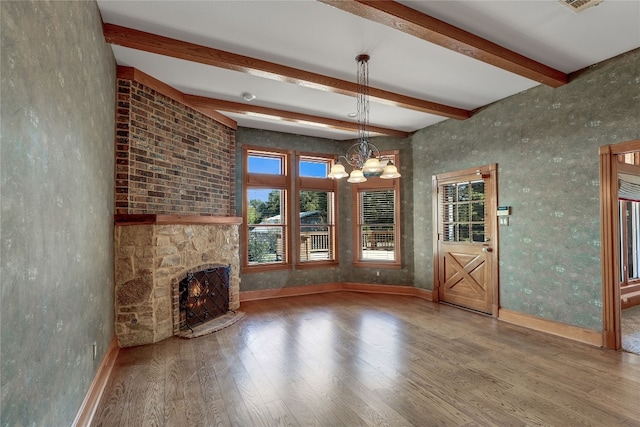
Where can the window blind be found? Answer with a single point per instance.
(377, 207)
(628, 187)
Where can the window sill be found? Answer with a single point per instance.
(316, 264)
(373, 264)
(246, 269)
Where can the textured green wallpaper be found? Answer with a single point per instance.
(545, 142)
(57, 160)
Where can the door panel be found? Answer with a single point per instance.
(466, 275)
(466, 270)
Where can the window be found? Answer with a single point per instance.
(316, 211)
(629, 225)
(377, 225)
(462, 205)
(630, 241)
(266, 217)
(272, 239)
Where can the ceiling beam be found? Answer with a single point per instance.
(160, 45)
(203, 103)
(415, 23)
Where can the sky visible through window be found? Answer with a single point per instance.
(259, 164)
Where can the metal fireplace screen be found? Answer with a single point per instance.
(204, 295)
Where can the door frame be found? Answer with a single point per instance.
(492, 217)
(609, 235)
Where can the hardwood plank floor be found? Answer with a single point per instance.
(354, 359)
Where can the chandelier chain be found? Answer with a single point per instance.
(363, 98)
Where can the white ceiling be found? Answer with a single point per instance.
(316, 37)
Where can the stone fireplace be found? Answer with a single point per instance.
(153, 253)
(175, 183)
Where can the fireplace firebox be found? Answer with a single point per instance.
(203, 296)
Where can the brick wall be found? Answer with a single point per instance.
(170, 158)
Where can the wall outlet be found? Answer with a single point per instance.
(377, 273)
(95, 350)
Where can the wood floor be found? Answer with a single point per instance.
(630, 322)
(352, 359)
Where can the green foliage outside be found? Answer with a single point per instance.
(265, 243)
(263, 247)
(260, 210)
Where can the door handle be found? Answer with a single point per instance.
(486, 249)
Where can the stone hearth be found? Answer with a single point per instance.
(152, 254)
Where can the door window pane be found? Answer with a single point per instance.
(463, 192)
(477, 212)
(463, 233)
(462, 210)
(477, 232)
(477, 190)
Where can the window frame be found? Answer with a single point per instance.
(452, 224)
(252, 181)
(629, 242)
(378, 184)
(325, 184)
(291, 183)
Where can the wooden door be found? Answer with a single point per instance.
(466, 239)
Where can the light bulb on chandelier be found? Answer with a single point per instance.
(363, 156)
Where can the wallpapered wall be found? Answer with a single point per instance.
(345, 271)
(545, 142)
(58, 97)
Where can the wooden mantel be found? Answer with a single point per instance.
(159, 219)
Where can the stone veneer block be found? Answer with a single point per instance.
(151, 259)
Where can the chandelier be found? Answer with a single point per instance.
(363, 156)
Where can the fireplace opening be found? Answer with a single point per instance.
(204, 295)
